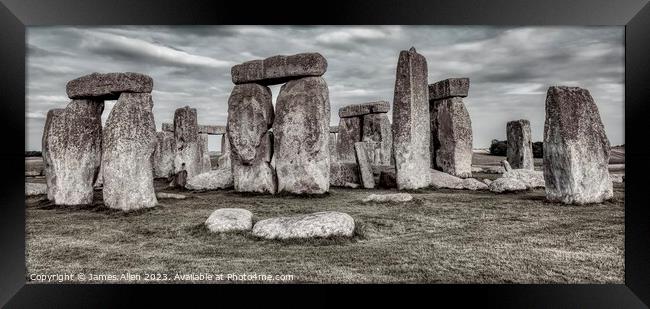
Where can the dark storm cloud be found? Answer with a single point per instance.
(510, 68)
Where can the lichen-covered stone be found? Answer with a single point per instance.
(259, 175)
(48, 167)
(187, 155)
(451, 129)
(319, 224)
(74, 151)
(342, 173)
(442, 180)
(507, 184)
(377, 128)
(301, 131)
(358, 110)
(129, 143)
(163, 156)
(220, 178)
(520, 144)
(279, 69)
(576, 148)
(448, 88)
(229, 220)
(108, 86)
(532, 179)
(350, 131)
(367, 178)
(411, 128)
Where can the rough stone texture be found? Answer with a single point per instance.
(441, 180)
(229, 220)
(163, 155)
(99, 181)
(319, 224)
(213, 180)
(387, 180)
(279, 69)
(165, 195)
(129, 142)
(532, 179)
(211, 129)
(73, 152)
(358, 110)
(34, 189)
(224, 159)
(377, 128)
(506, 184)
(167, 127)
(48, 167)
(617, 178)
(520, 144)
(411, 121)
(342, 173)
(108, 86)
(187, 156)
(488, 169)
(349, 133)
(576, 148)
(391, 198)
(334, 129)
(451, 137)
(332, 146)
(206, 165)
(506, 166)
(301, 131)
(487, 181)
(448, 88)
(367, 178)
(250, 115)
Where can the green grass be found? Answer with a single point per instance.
(443, 236)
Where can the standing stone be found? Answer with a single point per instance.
(250, 115)
(343, 173)
(50, 176)
(206, 166)
(163, 156)
(367, 178)
(187, 153)
(301, 131)
(74, 150)
(576, 148)
(520, 144)
(377, 128)
(129, 142)
(411, 118)
(451, 129)
(349, 133)
(332, 146)
(224, 158)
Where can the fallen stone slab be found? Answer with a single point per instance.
(488, 169)
(358, 110)
(351, 185)
(342, 173)
(367, 178)
(532, 179)
(108, 86)
(319, 224)
(165, 195)
(520, 144)
(506, 184)
(279, 69)
(229, 220)
(441, 180)
(220, 178)
(34, 189)
(448, 88)
(388, 198)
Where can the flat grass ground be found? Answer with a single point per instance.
(442, 236)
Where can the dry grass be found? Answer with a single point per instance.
(442, 236)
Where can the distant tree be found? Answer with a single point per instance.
(499, 148)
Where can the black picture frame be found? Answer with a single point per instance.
(15, 15)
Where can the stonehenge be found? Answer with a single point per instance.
(163, 156)
(520, 144)
(367, 122)
(576, 148)
(319, 224)
(187, 155)
(451, 127)
(411, 118)
(50, 175)
(108, 86)
(279, 69)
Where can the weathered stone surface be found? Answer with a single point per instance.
(224, 158)
(617, 178)
(441, 180)
(229, 220)
(391, 198)
(250, 115)
(165, 195)
(448, 88)
(73, 152)
(411, 130)
(344, 172)
(487, 169)
(377, 128)
(367, 178)
(279, 69)
(332, 146)
(358, 110)
(163, 155)
(129, 142)
(211, 129)
(451, 137)
(520, 144)
(34, 189)
(487, 181)
(206, 165)
(506, 166)
(387, 180)
(507, 184)
(319, 224)
(48, 169)
(108, 86)
(167, 127)
(576, 148)
(187, 155)
(350, 131)
(334, 129)
(220, 178)
(301, 131)
(99, 180)
(532, 179)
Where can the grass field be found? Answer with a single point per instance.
(442, 236)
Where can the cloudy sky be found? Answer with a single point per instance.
(509, 68)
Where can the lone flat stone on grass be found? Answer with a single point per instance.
(108, 86)
(165, 195)
(229, 220)
(279, 69)
(319, 224)
(384, 198)
(520, 144)
(576, 148)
